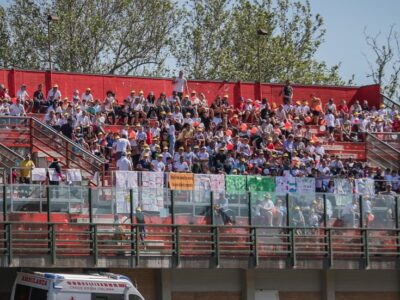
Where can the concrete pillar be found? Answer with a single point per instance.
(248, 284)
(328, 285)
(166, 284)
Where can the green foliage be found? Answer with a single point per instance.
(209, 39)
(113, 36)
(219, 41)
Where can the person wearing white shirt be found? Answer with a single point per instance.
(266, 210)
(141, 135)
(84, 120)
(23, 95)
(181, 165)
(121, 145)
(4, 108)
(124, 164)
(177, 115)
(180, 83)
(158, 164)
(330, 123)
(155, 130)
(54, 94)
(17, 109)
(87, 95)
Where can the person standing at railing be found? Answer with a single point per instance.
(27, 165)
(141, 223)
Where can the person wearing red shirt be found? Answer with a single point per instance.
(342, 107)
(396, 124)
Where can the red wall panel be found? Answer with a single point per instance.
(122, 85)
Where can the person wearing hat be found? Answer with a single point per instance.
(267, 208)
(144, 162)
(87, 95)
(121, 145)
(140, 220)
(181, 165)
(188, 119)
(166, 155)
(54, 95)
(177, 155)
(157, 165)
(124, 163)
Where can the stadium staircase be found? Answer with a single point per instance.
(8, 157)
(381, 153)
(34, 136)
(391, 103)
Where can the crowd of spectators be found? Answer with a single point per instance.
(181, 132)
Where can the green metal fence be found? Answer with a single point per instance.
(75, 221)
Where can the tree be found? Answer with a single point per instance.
(385, 69)
(4, 38)
(113, 36)
(226, 47)
(202, 41)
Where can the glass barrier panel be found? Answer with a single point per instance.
(302, 211)
(27, 198)
(268, 209)
(192, 207)
(231, 208)
(153, 204)
(379, 211)
(69, 203)
(2, 202)
(346, 210)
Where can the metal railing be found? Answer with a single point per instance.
(381, 153)
(178, 242)
(47, 140)
(8, 157)
(391, 103)
(64, 221)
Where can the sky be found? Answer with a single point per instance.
(345, 21)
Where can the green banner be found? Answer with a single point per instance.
(235, 183)
(261, 184)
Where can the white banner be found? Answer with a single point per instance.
(285, 184)
(152, 191)
(343, 186)
(53, 175)
(74, 175)
(202, 182)
(39, 174)
(365, 186)
(305, 185)
(217, 182)
(126, 180)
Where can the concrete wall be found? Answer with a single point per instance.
(236, 284)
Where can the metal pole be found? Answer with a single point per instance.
(249, 209)
(361, 210)
(258, 58)
(49, 42)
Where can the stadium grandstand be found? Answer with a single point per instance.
(202, 189)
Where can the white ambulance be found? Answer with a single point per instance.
(54, 286)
